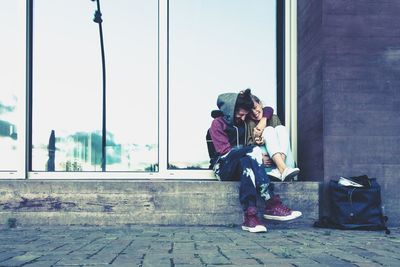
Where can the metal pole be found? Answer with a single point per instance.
(99, 20)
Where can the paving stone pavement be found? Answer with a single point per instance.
(182, 246)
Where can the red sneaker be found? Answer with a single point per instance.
(275, 210)
(251, 221)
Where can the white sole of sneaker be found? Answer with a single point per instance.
(275, 175)
(290, 175)
(294, 215)
(257, 229)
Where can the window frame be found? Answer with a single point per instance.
(286, 98)
(290, 59)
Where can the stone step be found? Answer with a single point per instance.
(161, 202)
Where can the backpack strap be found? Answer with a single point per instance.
(384, 220)
(212, 153)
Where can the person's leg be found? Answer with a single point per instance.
(275, 150)
(262, 181)
(276, 153)
(284, 141)
(249, 181)
(233, 167)
(283, 137)
(229, 164)
(254, 171)
(273, 147)
(279, 161)
(247, 189)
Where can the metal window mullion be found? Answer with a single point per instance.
(291, 72)
(27, 148)
(162, 86)
(280, 59)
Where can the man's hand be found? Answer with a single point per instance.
(259, 140)
(267, 161)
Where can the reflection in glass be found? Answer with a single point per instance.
(12, 80)
(131, 39)
(215, 47)
(67, 89)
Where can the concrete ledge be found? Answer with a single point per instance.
(79, 202)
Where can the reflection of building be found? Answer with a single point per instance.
(137, 157)
(82, 151)
(7, 129)
(83, 148)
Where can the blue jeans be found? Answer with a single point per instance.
(245, 164)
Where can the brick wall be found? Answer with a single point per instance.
(360, 92)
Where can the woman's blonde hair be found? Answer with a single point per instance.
(256, 99)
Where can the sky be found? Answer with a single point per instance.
(215, 46)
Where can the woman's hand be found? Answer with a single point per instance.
(262, 124)
(258, 130)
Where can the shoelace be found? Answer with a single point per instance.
(283, 208)
(253, 220)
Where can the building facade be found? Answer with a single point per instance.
(349, 94)
(332, 65)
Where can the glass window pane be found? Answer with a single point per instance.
(131, 38)
(12, 81)
(215, 47)
(67, 88)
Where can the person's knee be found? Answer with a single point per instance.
(256, 150)
(281, 129)
(256, 154)
(268, 132)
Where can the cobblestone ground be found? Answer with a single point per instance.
(195, 246)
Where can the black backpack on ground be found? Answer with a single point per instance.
(355, 208)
